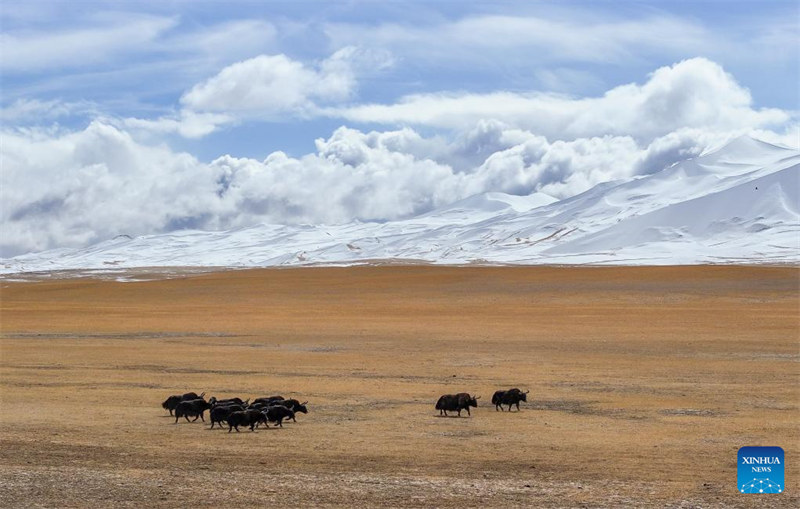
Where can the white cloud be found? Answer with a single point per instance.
(36, 51)
(265, 88)
(186, 123)
(789, 137)
(23, 111)
(273, 84)
(567, 35)
(76, 188)
(519, 46)
(695, 93)
(226, 41)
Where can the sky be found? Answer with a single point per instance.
(142, 118)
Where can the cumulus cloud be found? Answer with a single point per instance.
(265, 88)
(695, 93)
(270, 84)
(80, 187)
(77, 188)
(267, 83)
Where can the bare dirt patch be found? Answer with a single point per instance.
(644, 384)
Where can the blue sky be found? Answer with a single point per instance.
(461, 81)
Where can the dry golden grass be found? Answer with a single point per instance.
(644, 384)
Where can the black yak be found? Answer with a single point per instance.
(219, 414)
(277, 413)
(510, 397)
(171, 402)
(456, 403)
(294, 405)
(245, 418)
(192, 408)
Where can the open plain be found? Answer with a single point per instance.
(644, 384)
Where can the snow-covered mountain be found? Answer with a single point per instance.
(737, 204)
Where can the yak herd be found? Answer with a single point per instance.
(236, 412)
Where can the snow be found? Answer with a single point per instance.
(735, 204)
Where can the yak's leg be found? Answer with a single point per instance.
(459, 412)
(517, 406)
(176, 419)
(201, 417)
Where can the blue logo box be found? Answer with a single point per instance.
(761, 470)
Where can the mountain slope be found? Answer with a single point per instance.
(736, 204)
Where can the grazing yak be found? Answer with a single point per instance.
(509, 397)
(219, 414)
(192, 408)
(246, 418)
(171, 402)
(456, 403)
(277, 413)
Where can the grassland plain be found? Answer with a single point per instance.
(644, 383)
